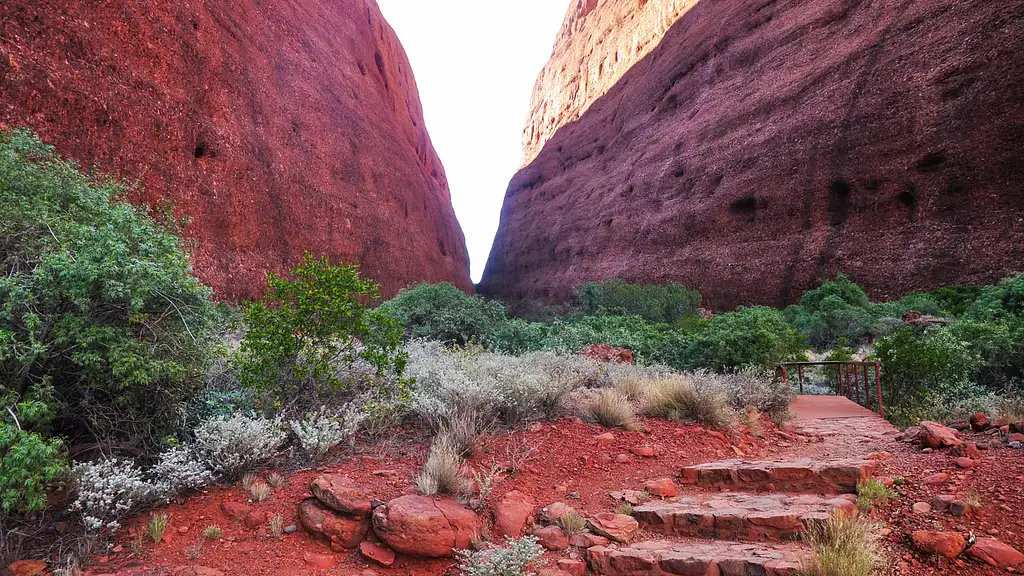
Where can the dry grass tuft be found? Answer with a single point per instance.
(442, 472)
(248, 479)
(842, 546)
(612, 409)
(276, 526)
(213, 532)
(276, 479)
(631, 388)
(572, 523)
(679, 399)
(260, 491)
(751, 418)
(463, 427)
(871, 491)
(624, 508)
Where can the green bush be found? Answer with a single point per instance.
(1003, 300)
(1000, 344)
(306, 326)
(645, 340)
(97, 301)
(517, 337)
(751, 336)
(28, 461)
(660, 304)
(838, 309)
(445, 313)
(921, 368)
(954, 300)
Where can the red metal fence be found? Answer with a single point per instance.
(845, 385)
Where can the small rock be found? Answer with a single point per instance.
(979, 422)
(235, 510)
(588, 540)
(380, 554)
(555, 511)
(322, 561)
(606, 438)
(947, 544)
(290, 529)
(927, 451)
(941, 503)
(617, 527)
(935, 435)
(921, 508)
(1015, 437)
(935, 479)
(623, 458)
(573, 495)
(663, 487)
(27, 568)
(552, 538)
(967, 463)
(340, 493)
(643, 451)
(572, 567)
(958, 508)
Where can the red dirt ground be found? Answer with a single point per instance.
(569, 458)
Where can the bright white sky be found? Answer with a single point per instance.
(475, 62)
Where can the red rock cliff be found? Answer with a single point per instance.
(276, 127)
(764, 145)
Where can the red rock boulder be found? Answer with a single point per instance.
(340, 493)
(428, 527)
(948, 544)
(342, 532)
(617, 527)
(512, 513)
(27, 568)
(995, 553)
(980, 422)
(551, 537)
(935, 435)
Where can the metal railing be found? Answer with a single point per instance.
(845, 386)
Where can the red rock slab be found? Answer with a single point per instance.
(662, 558)
(995, 553)
(340, 493)
(839, 476)
(744, 517)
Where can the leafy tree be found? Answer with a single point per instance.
(645, 340)
(445, 313)
(97, 301)
(751, 336)
(1005, 299)
(919, 367)
(838, 309)
(306, 325)
(660, 304)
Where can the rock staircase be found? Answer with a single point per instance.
(741, 517)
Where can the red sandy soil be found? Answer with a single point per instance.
(569, 458)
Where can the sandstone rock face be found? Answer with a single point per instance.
(764, 145)
(276, 127)
(341, 531)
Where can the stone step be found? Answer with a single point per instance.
(666, 558)
(804, 475)
(736, 516)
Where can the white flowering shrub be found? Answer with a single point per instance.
(179, 469)
(510, 388)
(238, 444)
(514, 559)
(318, 432)
(750, 388)
(106, 491)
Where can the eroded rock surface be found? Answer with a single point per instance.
(276, 127)
(764, 145)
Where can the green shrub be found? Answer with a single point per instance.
(517, 337)
(97, 301)
(926, 366)
(999, 301)
(954, 300)
(750, 336)
(304, 327)
(872, 491)
(514, 559)
(917, 301)
(645, 340)
(660, 304)
(28, 461)
(838, 309)
(443, 312)
(1000, 344)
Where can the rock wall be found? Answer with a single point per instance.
(764, 145)
(275, 126)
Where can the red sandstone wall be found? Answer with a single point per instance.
(277, 126)
(764, 145)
